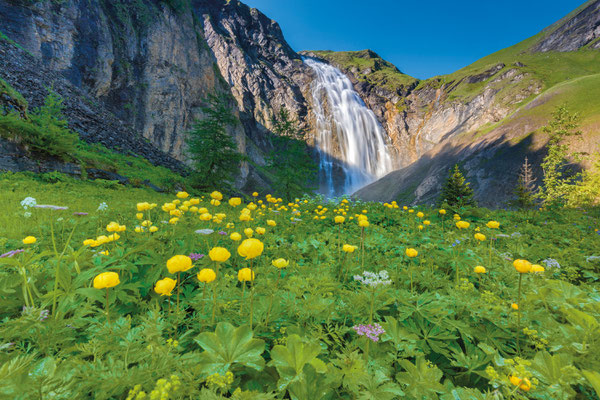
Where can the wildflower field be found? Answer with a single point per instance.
(116, 293)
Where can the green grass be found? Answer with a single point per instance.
(6, 88)
(383, 73)
(449, 333)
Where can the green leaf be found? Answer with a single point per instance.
(228, 346)
(593, 378)
(289, 360)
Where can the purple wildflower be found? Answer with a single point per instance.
(196, 256)
(372, 331)
(11, 253)
(80, 214)
(223, 233)
(51, 207)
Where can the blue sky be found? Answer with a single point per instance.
(422, 38)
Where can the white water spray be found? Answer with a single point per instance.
(348, 136)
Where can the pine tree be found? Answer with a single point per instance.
(215, 155)
(289, 165)
(456, 191)
(525, 190)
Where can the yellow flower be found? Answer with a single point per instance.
(194, 202)
(29, 240)
(139, 215)
(348, 248)
(164, 287)
(215, 202)
(182, 195)
(411, 211)
(235, 201)
(442, 212)
(280, 263)
(143, 206)
(420, 227)
(514, 306)
(426, 222)
(462, 224)
(235, 236)
(522, 266)
(523, 384)
(405, 208)
(261, 231)
(216, 195)
(537, 268)
(112, 227)
(146, 223)
(480, 237)
(363, 223)
(206, 275)
(270, 222)
(219, 254)
(106, 280)
(339, 219)
(420, 214)
(493, 225)
(138, 229)
(179, 263)
(245, 275)
(248, 232)
(250, 248)
(104, 253)
(153, 229)
(173, 220)
(480, 270)
(205, 217)
(88, 242)
(411, 252)
(255, 194)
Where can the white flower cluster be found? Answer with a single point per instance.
(551, 263)
(374, 279)
(28, 202)
(205, 231)
(592, 258)
(103, 206)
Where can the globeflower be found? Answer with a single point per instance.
(480, 270)
(106, 280)
(250, 248)
(442, 212)
(523, 384)
(537, 268)
(182, 195)
(216, 195)
(480, 237)
(420, 214)
(235, 201)
(280, 263)
(261, 231)
(165, 286)
(245, 275)
(179, 263)
(270, 222)
(411, 253)
(493, 225)
(248, 232)
(522, 266)
(462, 224)
(339, 219)
(363, 223)
(206, 275)
(29, 240)
(348, 248)
(219, 254)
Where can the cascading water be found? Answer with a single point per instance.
(351, 144)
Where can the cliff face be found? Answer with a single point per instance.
(151, 66)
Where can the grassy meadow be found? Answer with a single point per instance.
(176, 296)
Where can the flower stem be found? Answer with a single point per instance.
(519, 314)
(107, 309)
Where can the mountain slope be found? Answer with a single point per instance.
(445, 118)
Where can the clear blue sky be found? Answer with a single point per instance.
(422, 38)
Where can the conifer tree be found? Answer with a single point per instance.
(215, 154)
(525, 190)
(456, 191)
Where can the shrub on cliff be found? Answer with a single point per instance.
(46, 130)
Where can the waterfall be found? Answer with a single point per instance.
(351, 144)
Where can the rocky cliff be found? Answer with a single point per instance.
(471, 113)
(151, 64)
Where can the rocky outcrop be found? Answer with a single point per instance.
(419, 115)
(580, 29)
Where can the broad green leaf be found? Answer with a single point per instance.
(227, 346)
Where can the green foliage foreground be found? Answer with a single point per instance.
(319, 327)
